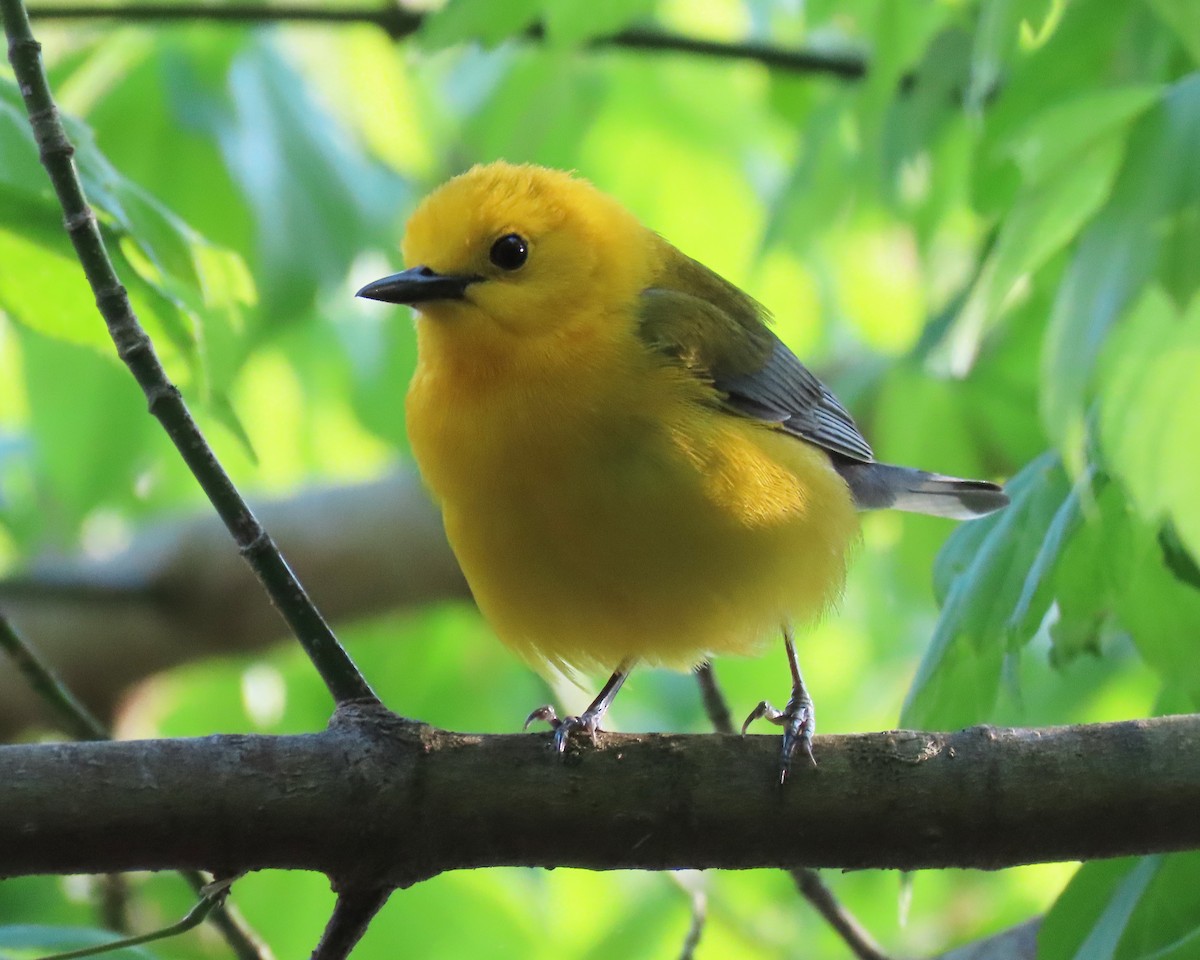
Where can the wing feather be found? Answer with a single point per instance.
(720, 334)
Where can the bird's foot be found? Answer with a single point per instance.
(587, 722)
(799, 724)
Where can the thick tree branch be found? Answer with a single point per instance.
(77, 720)
(178, 593)
(376, 800)
(399, 23)
(808, 881)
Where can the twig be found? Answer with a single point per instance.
(808, 882)
(399, 23)
(134, 347)
(194, 918)
(243, 938)
(114, 903)
(77, 720)
(715, 705)
(860, 942)
(81, 724)
(698, 899)
(355, 909)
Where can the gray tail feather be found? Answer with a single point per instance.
(877, 486)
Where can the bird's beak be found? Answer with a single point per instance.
(417, 285)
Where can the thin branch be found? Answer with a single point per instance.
(80, 723)
(716, 707)
(243, 938)
(193, 918)
(399, 23)
(847, 926)
(177, 592)
(807, 881)
(134, 347)
(352, 914)
(379, 801)
(76, 719)
(698, 898)
(114, 903)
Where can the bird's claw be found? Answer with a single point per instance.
(798, 722)
(546, 713)
(565, 727)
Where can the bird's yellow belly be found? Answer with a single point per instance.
(664, 536)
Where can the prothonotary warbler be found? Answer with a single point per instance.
(631, 467)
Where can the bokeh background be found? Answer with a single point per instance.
(978, 221)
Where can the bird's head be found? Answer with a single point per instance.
(506, 250)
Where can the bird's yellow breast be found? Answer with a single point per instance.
(602, 508)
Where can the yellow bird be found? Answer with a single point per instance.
(631, 467)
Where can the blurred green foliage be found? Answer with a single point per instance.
(989, 246)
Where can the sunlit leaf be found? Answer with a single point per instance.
(570, 22)
(317, 202)
(1119, 251)
(1090, 917)
(1165, 925)
(31, 940)
(481, 21)
(1150, 409)
(959, 675)
(1180, 16)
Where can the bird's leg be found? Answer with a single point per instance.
(797, 718)
(587, 722)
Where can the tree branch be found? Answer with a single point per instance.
(136, 350)
(72, 715)
(177, 593)
(807, 880)
(352, 914)
(399, 23)
(378, 801)
(78, 721)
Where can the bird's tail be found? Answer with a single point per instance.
(877, 486)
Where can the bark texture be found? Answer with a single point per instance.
(378, 800)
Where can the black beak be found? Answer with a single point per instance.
(416, 285)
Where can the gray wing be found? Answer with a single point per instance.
(751, 368)
(785, 391)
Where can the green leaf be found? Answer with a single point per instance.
(1160, 612)
(481, 21)
(1180, 16)
(1055, 139)
(1086, 580)
(1067, 157)
(317, 202)
(1131, 909)
(1118, 253)
(1090, 916)
(177, 280)
(90, 427)
(1150, 405)
(34, 940)
(539, 111)
(175, 85)
(959, 676)
(570, 23)
(42, 285)
(1165, 924)
(1037, 590)
(996, 39)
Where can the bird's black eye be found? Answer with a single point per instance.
(509, 252)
